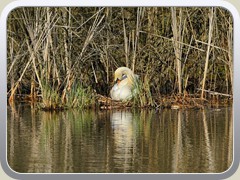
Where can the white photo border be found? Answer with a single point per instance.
(119, 3)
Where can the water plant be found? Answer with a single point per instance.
(75, 97)
(80, 97)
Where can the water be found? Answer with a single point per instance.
(119, 141)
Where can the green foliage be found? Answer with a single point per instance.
(51, 98)
(142, 96)
(80, 97)
(76, 97)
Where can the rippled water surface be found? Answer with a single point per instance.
(119, 141)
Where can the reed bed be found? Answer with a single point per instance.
(65, 57)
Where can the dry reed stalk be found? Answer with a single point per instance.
(126, 48)
(14, 88)
(14, 57)
(34, 66)
(183, 67)
(173, 40)
(216, 93)
(212, 45)
(94, 73)
(230, 51)
(90, 34)
(135, 36)
(66, 56)
(106, 47)
(177, 26)
(97, 40)
(210, 33)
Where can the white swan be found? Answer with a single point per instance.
(125, 84)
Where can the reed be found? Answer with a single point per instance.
(51, 98)
(142, 96)
(80, 97)
(76, 97)
(173, 50)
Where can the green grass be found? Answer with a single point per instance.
(79, 97)
(51, 98)
(76, 97)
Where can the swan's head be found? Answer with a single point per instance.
(124, 84)
(124, 75)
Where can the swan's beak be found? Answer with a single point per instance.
(118, 81)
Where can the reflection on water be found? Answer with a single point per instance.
(162, 141)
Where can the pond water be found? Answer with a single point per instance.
(119, 141)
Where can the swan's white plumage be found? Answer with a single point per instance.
(124, 87)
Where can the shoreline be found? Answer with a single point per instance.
(173, 101)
